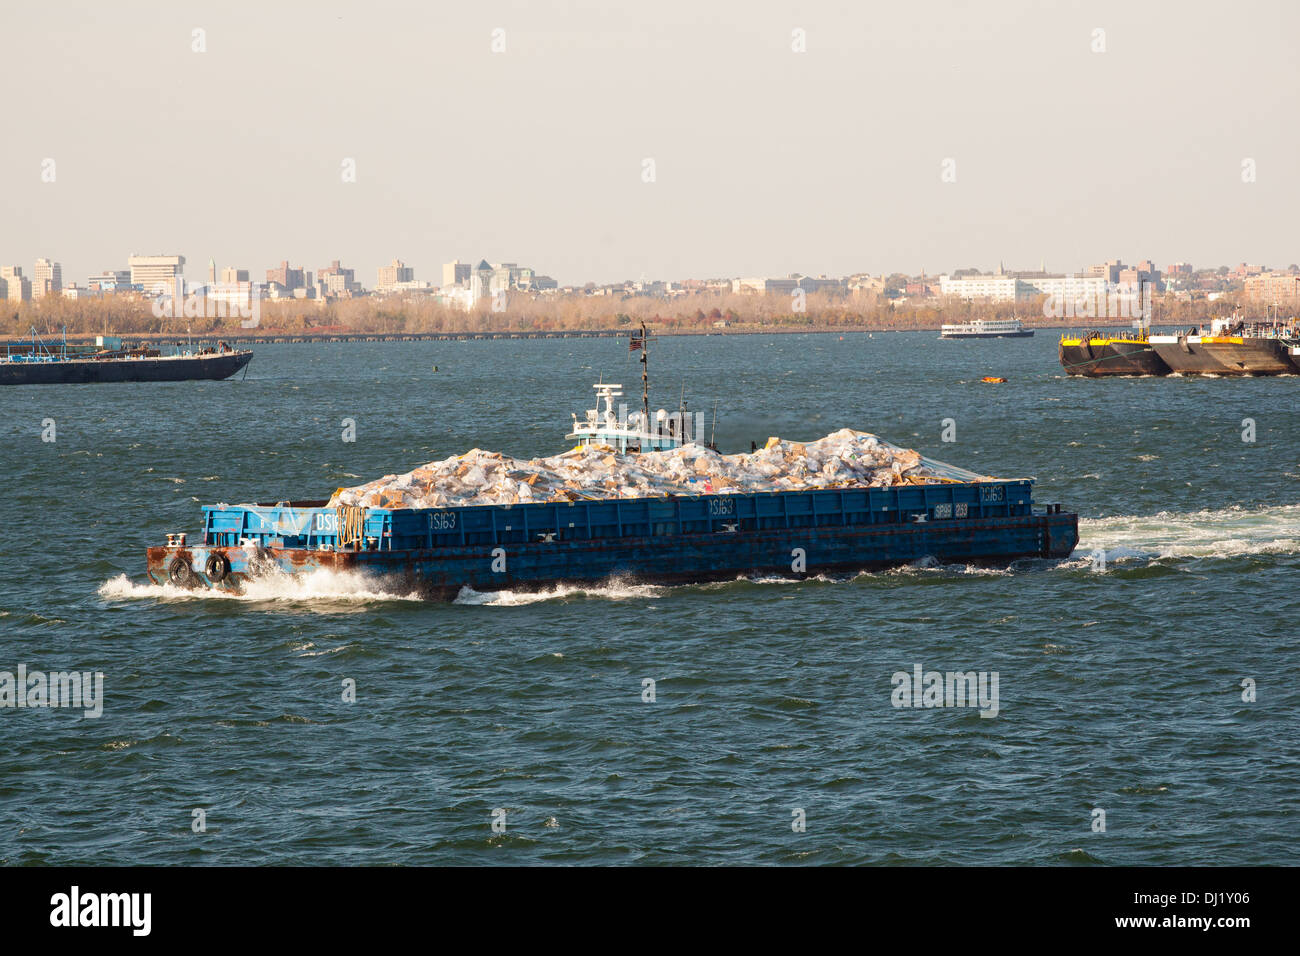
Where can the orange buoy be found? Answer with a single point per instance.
(992, 378)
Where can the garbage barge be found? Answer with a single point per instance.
(846, 503)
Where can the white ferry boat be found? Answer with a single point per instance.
(986, 329)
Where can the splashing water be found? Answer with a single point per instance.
(319, 585)
(1225, 533)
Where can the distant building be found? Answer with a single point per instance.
(994, 288)
(47, 278)
(455, 273)
(785, 286)
(1108, 270)
(864, 282)
(1277, 287)
(391, 276)
(17, 287)
(232, 276)
(533, 282)
(412, 285)
(287, 277)
(1021, 286)
(233, 294)
(487, 280)
(457, 297)
(110, 281)
(154, 272)
(337, 281)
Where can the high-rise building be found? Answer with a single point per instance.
(390, 276)
(455, 273)
(18, 288)
(287, 277)
(1108, 270)
(47, 278)
(338, 281)
(153, 273)
(231, 276)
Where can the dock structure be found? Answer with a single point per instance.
(272, 338)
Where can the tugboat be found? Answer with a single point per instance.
(637, 432)
(1232, 346)
(1093, 354)
(112, 361)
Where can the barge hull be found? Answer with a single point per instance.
(1186, 356)
(1252, 357)
(1111, 358)
(440, 573)
(91, 371)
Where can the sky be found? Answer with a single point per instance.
(602, 141)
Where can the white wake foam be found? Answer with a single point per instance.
(612, 590)
(321, 585)
(1223, 533)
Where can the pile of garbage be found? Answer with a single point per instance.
(843, 459)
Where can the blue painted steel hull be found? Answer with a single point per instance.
(677, 540)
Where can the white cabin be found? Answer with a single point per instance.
(629, 432)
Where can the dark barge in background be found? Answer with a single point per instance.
(1229, 346)
(1094, 354)
(1233, 346)
(34, 363)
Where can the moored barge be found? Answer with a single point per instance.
(111, 361)
(1231, 346)
(1094, 354)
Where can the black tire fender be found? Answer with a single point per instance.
(180, 573)
(216, 567)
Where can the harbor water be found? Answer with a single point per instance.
(1151, 676)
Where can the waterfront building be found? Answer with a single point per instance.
(1269, 287)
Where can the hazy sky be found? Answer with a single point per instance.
(766, 160)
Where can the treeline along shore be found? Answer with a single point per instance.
(574, 314)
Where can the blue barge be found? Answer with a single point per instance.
(953, 516)
(680, 539)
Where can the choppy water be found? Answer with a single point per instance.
(1119, 688)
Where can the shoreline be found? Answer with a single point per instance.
(274, 337)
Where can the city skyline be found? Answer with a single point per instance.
(559, 135)
(465, 285)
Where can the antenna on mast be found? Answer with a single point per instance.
(641, 340)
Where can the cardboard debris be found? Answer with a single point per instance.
(843, 459)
